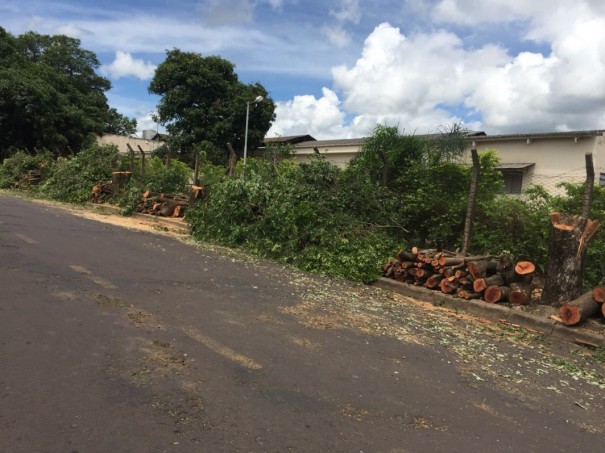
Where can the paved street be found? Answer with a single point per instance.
(113, 339)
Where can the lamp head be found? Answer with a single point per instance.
(257, 100)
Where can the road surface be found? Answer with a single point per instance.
(113, 339)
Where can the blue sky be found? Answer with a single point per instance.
(337, 68)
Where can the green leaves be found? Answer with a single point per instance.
(50, 95)
(203, 100)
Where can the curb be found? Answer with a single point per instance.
(498, 313)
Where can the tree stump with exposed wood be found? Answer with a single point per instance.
(569, 239)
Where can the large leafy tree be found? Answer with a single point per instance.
(50, 94)
(203, 100)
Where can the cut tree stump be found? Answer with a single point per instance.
(119, 180)
(569, 239)
(579, 310)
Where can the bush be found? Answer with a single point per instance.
(295, 214)
(71, 179)
(15, 168)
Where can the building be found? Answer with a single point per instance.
(150, 141)
(547, 159)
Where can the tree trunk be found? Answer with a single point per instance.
(569, 238)
(119, 180)
(578, 310)
(470, 210)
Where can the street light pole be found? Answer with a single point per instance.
(256, 101)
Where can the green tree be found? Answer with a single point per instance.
(50, 94)
(204, 100)
(116, 123)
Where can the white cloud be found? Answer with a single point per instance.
(321, 118)
(72, 30)
(409, 80)
(336, 35)
(126, 66)
(348, 11)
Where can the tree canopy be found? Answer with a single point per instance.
(50, 94)
(204, 100)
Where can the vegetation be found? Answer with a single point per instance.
(400, 190)
(203, 100)
(50, 95)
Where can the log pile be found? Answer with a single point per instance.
(169, 205)
(101, 193)
(31, 178)
(490, 278)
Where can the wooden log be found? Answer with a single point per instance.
(468, 295)
(519, 294)
(598, 294)
(433, 281)
(495, 294)
(403, 255)
(578, 310)
(603, 309)
(569, 239)
(481, 284)
(525, 267)
(448, 287)
(482, 268)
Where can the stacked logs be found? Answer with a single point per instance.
(101, 193)
(489, 278)
(169, 205)
(31, 178)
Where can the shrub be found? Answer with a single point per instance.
(71, 179)
(15, 168)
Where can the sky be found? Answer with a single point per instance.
(337, 68)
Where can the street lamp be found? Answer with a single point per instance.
(256, 101)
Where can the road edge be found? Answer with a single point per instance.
(497, 313)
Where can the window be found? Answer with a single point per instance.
(513, 181)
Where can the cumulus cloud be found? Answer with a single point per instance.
(321, 118)
(410, 80)
(125, 65)
(425, 80)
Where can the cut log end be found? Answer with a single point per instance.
(598, 294)
(525, 267)
(569, 314)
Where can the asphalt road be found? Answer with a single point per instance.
(125, 341)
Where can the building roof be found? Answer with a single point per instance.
(333, 142)
(291, 139)
(514, 166)
(530, 135)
